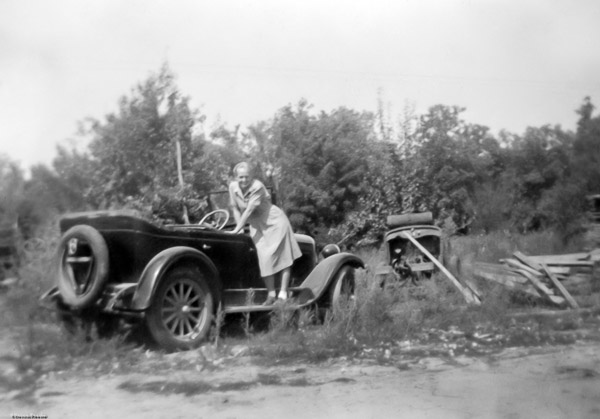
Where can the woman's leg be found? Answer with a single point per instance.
(270, 284)
(285, 280)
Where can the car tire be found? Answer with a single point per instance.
(83, 266)
(182, 308)
(342, 286)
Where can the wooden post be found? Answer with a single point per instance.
(469, 295)
(186, 218)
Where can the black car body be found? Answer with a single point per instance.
(174, 277)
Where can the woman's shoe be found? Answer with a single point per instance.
(270, 300)
(283, 295)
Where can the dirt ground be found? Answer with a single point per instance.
(561, 381)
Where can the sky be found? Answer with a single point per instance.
(510, 63)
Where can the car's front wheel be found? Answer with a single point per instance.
(181, 312)
(342, 286)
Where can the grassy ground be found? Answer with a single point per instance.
(378, 322)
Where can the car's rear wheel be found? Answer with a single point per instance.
(181, 312)
(83, 266)
(342, 286)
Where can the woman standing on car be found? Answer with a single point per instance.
(270, 229)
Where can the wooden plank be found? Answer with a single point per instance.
(560, 270)
(527, 261)
(561, 288)
(556, 270)
(537, 283)
(545, 292)
(514, 263)
(469, 295)
(573, 264)
(567, 257)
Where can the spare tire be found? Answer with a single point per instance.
(423, 218)
(82, 266)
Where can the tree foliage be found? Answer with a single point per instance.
(340, 173)
(321, 160)
(11, 190)
(132, 155)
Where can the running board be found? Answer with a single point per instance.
(291, 305)
(254, 297)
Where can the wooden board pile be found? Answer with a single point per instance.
(552, 278)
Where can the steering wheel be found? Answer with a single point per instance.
(220, 216)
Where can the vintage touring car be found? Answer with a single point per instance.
(172, 278)
(405, 263)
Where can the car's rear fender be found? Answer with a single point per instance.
(165, 260)
(320, 278)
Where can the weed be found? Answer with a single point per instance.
(219, 322)
(246, 316)
(283, 317)
(43, 345)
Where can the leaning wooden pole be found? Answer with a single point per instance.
(186, 218)
(470, 297)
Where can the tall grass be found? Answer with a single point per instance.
(20, 301)
(379, 315)
(43, 345)
(374, 316)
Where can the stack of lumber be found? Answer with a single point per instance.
(547, 277)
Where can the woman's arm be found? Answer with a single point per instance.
(236, 213)
(241, 219)
(233, 204)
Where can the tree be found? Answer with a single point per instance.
(320, 160)
(586, 148)
(538, 161)
(11, 190)
(446, 158)
(45, 196)
(143, 156)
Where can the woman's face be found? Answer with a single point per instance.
(243, 178)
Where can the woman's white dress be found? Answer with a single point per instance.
(270, 229)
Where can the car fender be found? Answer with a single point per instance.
(161, 263)
(321, 276)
